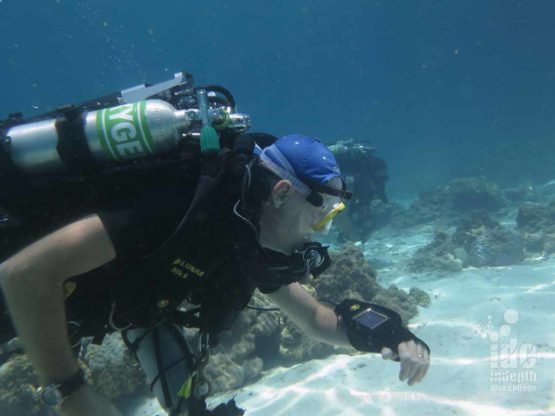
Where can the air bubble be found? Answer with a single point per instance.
(511, 316)
(505, 330)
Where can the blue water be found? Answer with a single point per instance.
(442, 88)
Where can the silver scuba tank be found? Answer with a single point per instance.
(112, 134)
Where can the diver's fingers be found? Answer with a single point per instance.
(409, 360)
(406, 369)
(420, 373)
(387, 353)
(406, 361)
(424, 357)
(420, 362)
(418, 369)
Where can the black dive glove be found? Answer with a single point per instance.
(371, 327)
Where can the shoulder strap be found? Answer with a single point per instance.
(213, 167)
(210, 177)
(247, 141)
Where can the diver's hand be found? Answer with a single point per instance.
(87, 402)
(414, 358)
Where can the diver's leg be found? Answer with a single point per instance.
(167, 361)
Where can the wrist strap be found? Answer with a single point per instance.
(71, 384)
(387, 331)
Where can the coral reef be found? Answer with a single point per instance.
(478, 241)
(351, 276)
(522, 194)
(297, 347)
(246, 349)
(225, 374)
(111, 368)
(420, 296)
(487, 243)
(536, 224)
(441, 255)
(108, 367)
(18, 388)
(448, 203)
(468, 194)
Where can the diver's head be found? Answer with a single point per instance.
(308, 193)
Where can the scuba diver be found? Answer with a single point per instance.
(367, 175)
(151, 210)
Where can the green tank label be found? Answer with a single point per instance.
(123, 131)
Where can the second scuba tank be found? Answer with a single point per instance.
(102, 136)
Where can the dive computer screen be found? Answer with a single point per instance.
(370, 319)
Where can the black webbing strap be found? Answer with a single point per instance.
(187, 356)
(207, 182)
(159, 364)
(134, 346)
(246, 141)
(161, 373)
(72, 146)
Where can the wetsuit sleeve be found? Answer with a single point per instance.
(271, 287)
(267, 290)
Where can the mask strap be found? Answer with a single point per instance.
(284, 171)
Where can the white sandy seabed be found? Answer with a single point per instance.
(492, 336)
